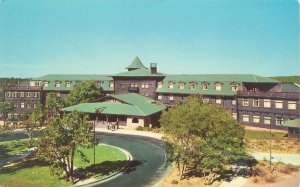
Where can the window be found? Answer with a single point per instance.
(292, 105)
(22, 105)
(135, 120)
(57, 84)
(218, 101)
(218, 86)
(205, 86)
(256, 119)
(171, 85)
(193, 86)
(256, 102)
(36, 83)
(46, 84)
(267, 120)
(28, 105)
(28, 94)
(181, 86)
(16, 105)
(235, 87)
(145, 85)
(21, 94)
(205, 99)
(58, 94)
(8, 94)
(279, 121)
(233, 102)
(34, 105)
(133, 85)
(159, 85)
(246, 118)
(278, 104)
(111, 84)
(245, 102)
(171, 98)
(234, 115)
(15, 94)
(35, 94)
(68, 84)
(159, 97)
(267, 103)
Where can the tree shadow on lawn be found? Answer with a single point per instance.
(106, 168)
(22, 163)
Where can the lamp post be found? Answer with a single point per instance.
(97, 111)
(270, 149)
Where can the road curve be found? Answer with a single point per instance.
(149, 160)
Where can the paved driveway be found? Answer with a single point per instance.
(285, 158)
(149, 154)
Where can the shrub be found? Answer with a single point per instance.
(270, 178)
(174, 182)
(139, 128)
(258, 171)
(284, 169)
(262, 163)
(255, 179)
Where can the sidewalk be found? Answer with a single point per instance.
(131, 132)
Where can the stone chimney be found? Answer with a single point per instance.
(153, 68)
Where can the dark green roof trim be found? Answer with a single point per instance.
(292, 123)
(136, 64)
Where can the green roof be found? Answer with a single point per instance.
(292, 123)
(131, 105)
(73, 78)
(138, 73)
(211, 79)
(136, 64)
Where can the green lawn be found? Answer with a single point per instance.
(103, 153)
(33, 173)
(252, 134)
(13, 147)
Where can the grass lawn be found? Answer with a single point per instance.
(252, 134)
(33, 173)
(13, 147)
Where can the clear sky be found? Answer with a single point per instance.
(39, 37)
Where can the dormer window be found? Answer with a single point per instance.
(171, 85)
(111, 84)
(205, 86)
(159, 85)
(46, 83)
(181, 85)
(68, 84)
(192, 85)
(218, 86)
(57, 84)
(234, 87)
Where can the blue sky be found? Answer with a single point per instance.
(39, 37)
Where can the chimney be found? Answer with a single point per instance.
(153, 68)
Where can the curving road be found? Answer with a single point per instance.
(149, 164)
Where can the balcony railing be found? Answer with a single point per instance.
(269, 94)
(14, 88)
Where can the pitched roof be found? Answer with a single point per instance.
(131, 105)
(138, 73)
(136, 64)
(211, 79)
(73, 78)
(292, 123)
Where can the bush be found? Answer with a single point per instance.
(139, 128)
(284, 169)
(262, 163)
(258, 171)
(255, 179)
(270, 178)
